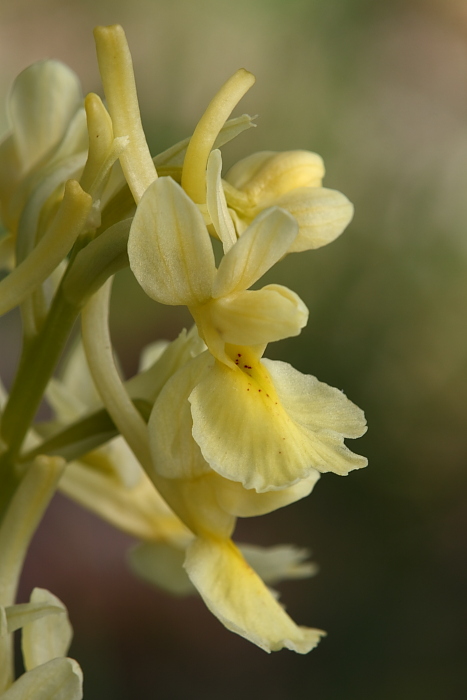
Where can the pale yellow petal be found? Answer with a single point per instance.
(139, 510)
(244, 432)
(278, 563)
(232, 128)
(321, 214)
(161, 564)
(267, 175)
(148, 384)
(151, 353)
(235, 594)
(170, 248)
(195, 502)
(245, 503)
(75, 141)
(43, 100)
(59, 679)
(264, 242)
(69, 222)
(175, 454)
(269, 437)
(315, 404)
(209, 332)
(257, 317)
(22, 518)
(245, 170)
(13, 617)
(240, 224)
(46, 638)
(215, 200)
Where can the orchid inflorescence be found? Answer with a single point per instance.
(208, 430)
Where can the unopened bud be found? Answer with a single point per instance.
(267, 175)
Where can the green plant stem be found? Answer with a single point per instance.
(37, 363)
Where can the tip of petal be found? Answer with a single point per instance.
(240, 600)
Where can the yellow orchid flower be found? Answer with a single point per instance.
(290, 180)
(238, 597)
(230, 434)
(289, 424)
(285, 433)
(109, 482)
(171, 255)
(209, 504)
(204, 501)
(231, 580)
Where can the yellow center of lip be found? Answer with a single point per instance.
(256, 378)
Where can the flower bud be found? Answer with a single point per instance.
(267, 175)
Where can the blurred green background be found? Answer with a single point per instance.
(379, 89)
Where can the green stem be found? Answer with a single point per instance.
(37, 363)
(36, 366)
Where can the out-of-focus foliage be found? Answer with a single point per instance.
(379, 89)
